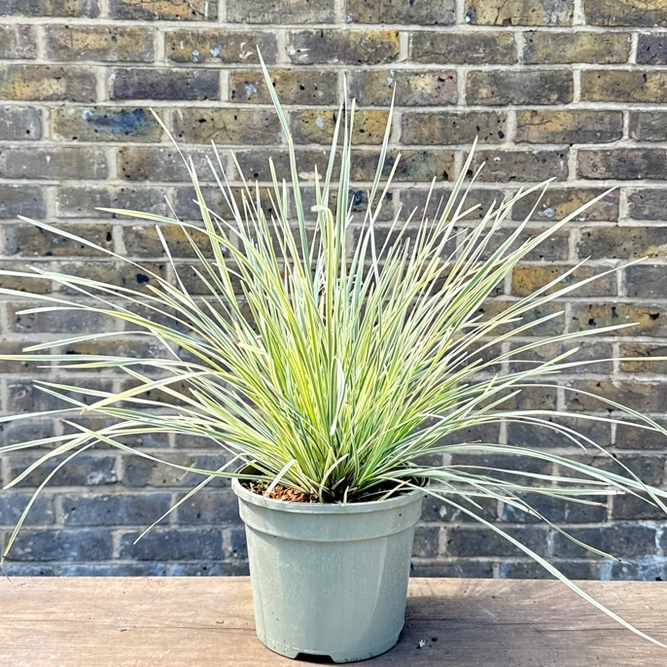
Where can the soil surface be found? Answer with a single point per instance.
(280, 492)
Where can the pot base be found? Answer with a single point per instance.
(339, 658)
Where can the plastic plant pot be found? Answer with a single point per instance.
(329, 579)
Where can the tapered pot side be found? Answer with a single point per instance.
(329, 579)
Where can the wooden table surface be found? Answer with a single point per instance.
(201, 622)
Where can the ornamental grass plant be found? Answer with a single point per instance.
(335, 371)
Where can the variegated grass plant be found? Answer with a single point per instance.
(346, 370)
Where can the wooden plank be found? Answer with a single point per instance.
(183, 622)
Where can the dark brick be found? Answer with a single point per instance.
(532, 570)
(20, 283)
(120, 274)
(622, 12)
(315, 126)
(25, 200)
(646, 363)
(29, 240)
(24, 397)
(12, 506)
(114, 510)
(173, 544)
(143, 241)
(16, 431)
(477, 200)
(526, 278)
(500, 87)
(115, 570)
(53, 163)
(532, 435)
(492, 307)
(134, 83)
(422, 12)
(292, 87)
(53, 322)
(187, 209)
(17, 124)
(151, 163)
(610, 85)
(448, 128)
(83, 470)
(630, 436)
(617, 540)
(501, 166)
(640, 396)
(426, 541)
(195, 285)
(412, 88)
(556, 510)
(652, 49)
(530, 398)
(646, 281)
(235, 543)
(77, 202)
(568, 127)
(205, 569)
(65, 8)
(129, 348)
(62, 545)
(142, 472)
(453, 568)
(47, 83)
(18, 41)
(481, 432)
(387, 237)
(228, 47)
(649, 320)
(89, 43)
(254, 163)
(623, 164)
(351, 47)
(227, 126)
(105, 124)
(600, 48)
(437, 510)
(526, 12)
(16, 366)
(27, 570)
(502, 467)
(553, 248)
(648, 126)
(450, 48)
(462, 541)
(647, 204)
(281, 11)
(413, 166)
(165, 10)
(645, 569)
(587, 351)
(210, 507)
(556, 204)
(623, 242)
(634, 508)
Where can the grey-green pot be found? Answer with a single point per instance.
(327, 579)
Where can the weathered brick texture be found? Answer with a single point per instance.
(572, 90)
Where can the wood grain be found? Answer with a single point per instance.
(192, 622)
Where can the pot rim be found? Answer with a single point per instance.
(323, 508)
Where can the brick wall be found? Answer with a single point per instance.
(561, 89)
